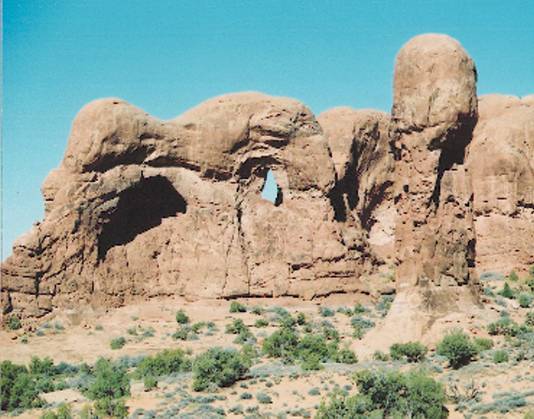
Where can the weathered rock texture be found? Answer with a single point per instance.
(141, 207)
(501, 163)
(145, 207)
(434, 113)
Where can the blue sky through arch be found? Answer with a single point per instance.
(270, 187)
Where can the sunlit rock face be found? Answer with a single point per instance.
(141, 207)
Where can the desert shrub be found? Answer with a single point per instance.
(236, 327)
(457, 348)
(108, 407)
(504, 326)
(166, 362)
(63, 412)
(380, 356)
(261, 323)
(513, 276)
(264, 398)
(182, 317)
(483, 344)
(388, 394)
(150, 383)
(360, 325)
(384, 304)
(346, 356)
(257, 310)
(359, 309)
(110, 381)
(18, 389)
(117, 343)
(185, 332)
(13, 323)
(500, 356)
(326, 312)
(412, 351)
(219, 367)
(198, 326)
(525, 300)
(300, 319)
(529, 319)
(507, 291)
(281, 344)
(237, 307)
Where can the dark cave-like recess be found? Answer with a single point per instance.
(140, 208)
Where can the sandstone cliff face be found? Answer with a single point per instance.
(501, 163)
(147, 207)
(434, 113)
(141, 207)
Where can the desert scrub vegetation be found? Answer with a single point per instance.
(13, 323)
(483, 344)
(411, 351)
(525, 300)
(117, 343)
(360, 325)
(309, 349)
(505, 326)
(167, 362)
(108, 388)
(18, 388)
(500, 356)
(218, 367)
(384, 394)
(458, 348)
(63, 411)
(182, 317)
(238, 327)
(237, 307)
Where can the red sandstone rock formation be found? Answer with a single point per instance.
(141, 207)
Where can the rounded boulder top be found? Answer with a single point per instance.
(434, 83)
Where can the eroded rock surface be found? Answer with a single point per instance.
(141, 207)
(501, 163)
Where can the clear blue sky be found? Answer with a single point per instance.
(168, 55)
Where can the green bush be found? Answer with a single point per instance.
(380, 356)
(507, 291)
(346, 356)
(236, 327)
(529, 319)
(483, 344)
(219, 367)
(360, 325)
(117, 343)
(513, 276)
(525, 300)
(301, 319)
(237, 307)
(500, 356)
(185, 332)
(264, 398)
(18, 389)
(108, 407)
(457, 348)
(150, 383)
(166, 362)
(181, 317)
(110, 381)
(261, 323)
(281, 344)
(63, 412)
(504, 326)
(412, 351)
(326, 312)
(388, 394)
(13, 323)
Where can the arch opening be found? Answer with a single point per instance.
(270, 190)
(140, 208)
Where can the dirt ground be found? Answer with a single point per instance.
(84, 335)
